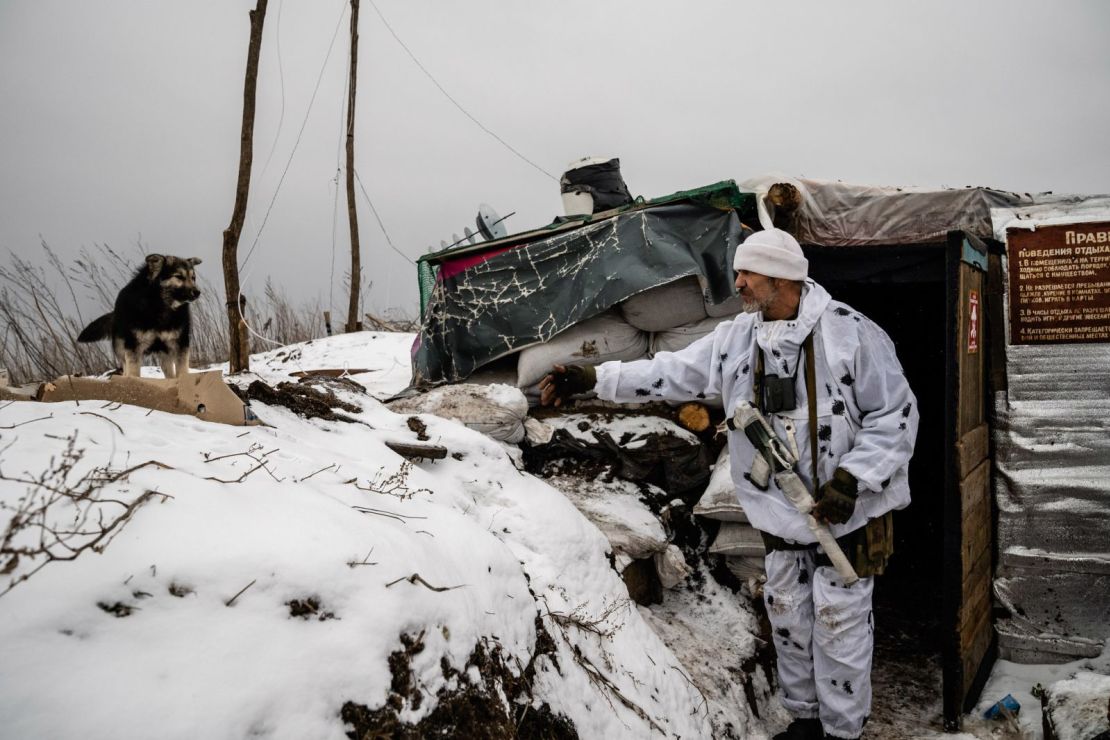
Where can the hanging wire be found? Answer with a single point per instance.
(239, 297)
(456, 103)
(281, 76)
(379, 218)
(296, 143)
(335, 205)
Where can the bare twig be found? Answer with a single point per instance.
(600, 680)
(231, 601)
(64, 513)
(241, 478)
(364, 561)
(321, 470)
(390, 514)
(105, 418)
(396, 484)
(415, 578)
(29, 421)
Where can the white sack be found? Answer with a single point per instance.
(671, 567)
(737, 539)
(719, 500)
(494, 410)
(746, 566)
(660, 308)
(726, 310)
(600, 339)
(681, 337)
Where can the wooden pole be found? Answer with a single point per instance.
(353, 323)
(239, 346)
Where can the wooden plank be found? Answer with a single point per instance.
(974, 653)
(973, 487)
(972, 448)
(975, 521)
(970, 633)
(972, 550)
(976, 595)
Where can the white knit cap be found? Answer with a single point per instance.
(773, 253)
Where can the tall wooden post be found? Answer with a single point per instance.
(353, 323)
(239, 345)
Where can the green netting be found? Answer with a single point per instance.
(426, 277)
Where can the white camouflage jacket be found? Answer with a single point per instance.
(866, 414)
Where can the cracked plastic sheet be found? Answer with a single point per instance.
(528, 294)
(1052, 485)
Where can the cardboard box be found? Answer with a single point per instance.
(203, 395)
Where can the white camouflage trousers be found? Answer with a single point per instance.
(823, 634)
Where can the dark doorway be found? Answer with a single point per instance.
(902, 288)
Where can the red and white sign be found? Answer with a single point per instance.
(973, 321)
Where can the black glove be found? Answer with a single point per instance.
(836, 501)
(565, 381)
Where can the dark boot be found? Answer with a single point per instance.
(802, 729)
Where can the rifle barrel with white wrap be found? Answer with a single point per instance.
(762, 436)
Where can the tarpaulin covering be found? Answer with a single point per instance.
(532, 292)
(836, 214)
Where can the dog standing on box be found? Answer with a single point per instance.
(151, 315)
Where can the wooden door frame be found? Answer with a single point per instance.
(959, 694)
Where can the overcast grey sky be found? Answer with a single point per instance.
(120, 119)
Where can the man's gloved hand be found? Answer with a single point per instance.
(565, 381)
(836, 501)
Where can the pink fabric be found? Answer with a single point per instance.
(450, 268)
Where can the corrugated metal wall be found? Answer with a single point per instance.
(1052, 489)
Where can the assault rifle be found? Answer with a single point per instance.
(774, 458)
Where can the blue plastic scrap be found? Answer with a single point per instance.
(1006, 705)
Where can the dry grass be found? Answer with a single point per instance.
(41, 315)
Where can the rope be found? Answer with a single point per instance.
(447, 95)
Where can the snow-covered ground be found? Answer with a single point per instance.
(275, 581)
(269, 574)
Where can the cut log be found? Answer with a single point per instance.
(693, 416)
(410, 451)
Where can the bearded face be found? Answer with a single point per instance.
(757, 292)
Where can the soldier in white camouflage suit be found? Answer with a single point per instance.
(866, 424)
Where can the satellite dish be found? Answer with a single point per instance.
(455, 239)
(490, 225)
(469, 235)
(442, 244)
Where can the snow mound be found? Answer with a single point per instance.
(222, 582)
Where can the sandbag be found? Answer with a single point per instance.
(727, 309)
(738, 539)
(672, 567)
(666, 306)
(719, 500)
(746, 566)
(600, 339)
(681, 337)
(497, 411)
